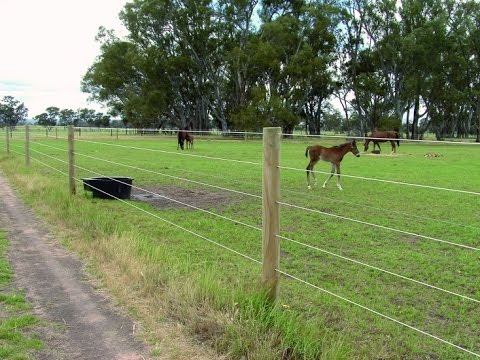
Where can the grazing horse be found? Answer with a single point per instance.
(383, 134)
(181, 137)
(189, 139)
(334, 155)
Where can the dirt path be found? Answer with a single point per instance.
(85, 325)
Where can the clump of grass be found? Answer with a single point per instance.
(16, 338)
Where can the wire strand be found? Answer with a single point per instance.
(175, 225)
(383, 209)
(170, 199)
(377, 313)
(379, 226)
(379, 269)
(282, 237)
(438, 142)
(385, 181)
(326, 197)
(289, 275)
(170, 176)
(171, 152)
(43, 163)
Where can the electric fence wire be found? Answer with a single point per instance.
(291, 276)
(282, 237)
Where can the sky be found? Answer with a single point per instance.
(46, 46)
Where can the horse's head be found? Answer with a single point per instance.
(354, 149)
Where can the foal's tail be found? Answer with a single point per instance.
(306, 151)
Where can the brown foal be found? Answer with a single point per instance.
(334, 155)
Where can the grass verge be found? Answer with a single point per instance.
(17, 339)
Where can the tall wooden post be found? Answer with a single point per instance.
(71, 160)
(7, 140)
(27, 145)
(271, 210)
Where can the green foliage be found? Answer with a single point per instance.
(12, 112)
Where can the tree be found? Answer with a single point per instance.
(44, 119)
(12, 112)
(66, 117)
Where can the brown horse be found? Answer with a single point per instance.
(189, 140)
(182, 135)
(334, 155)
(383, 134)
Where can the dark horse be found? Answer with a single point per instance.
(333, 155)
(189, 140)
(182, 135)
(384, 135)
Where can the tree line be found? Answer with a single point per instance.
(245, 64)
(13, 112)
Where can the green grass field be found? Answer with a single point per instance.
(205, 284)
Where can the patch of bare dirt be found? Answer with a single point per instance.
(175, 197)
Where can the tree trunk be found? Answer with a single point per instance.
(407, 122)
(416, 109)
(478, 122)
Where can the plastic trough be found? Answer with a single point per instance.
(109, 187)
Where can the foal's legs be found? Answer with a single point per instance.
(338, 177)
(310, 166)
(332, 171)
(335, 168)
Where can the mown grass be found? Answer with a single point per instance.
(162, 272)
(16, 322)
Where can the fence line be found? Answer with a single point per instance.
(383, 209)
(286, 190)
(176, 225)
(218, 132)
(301, 280)
(438, 142)
(297, 278)
(386, 181)
(156, 172)
(172, 152)
(171, 176)
(290, 168)
(279, 236)
(379, 226)
(170, 199)
(291, 205)
(43, 163)
(379, 269)
(378, 313)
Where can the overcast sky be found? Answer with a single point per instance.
(46, 46)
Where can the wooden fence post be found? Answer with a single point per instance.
(271, 210)
(7, 139)
(71, 160)
(27, 145)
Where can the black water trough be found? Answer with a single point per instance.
(111, 187)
